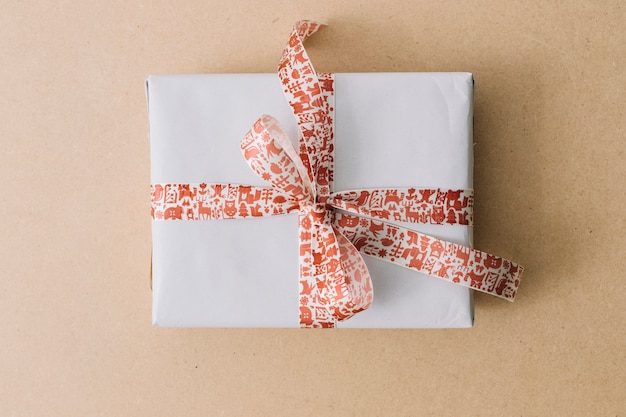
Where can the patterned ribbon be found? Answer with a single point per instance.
(336, 227)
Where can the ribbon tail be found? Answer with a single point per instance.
(307, 96)
(436, 257)
(334, 281)
(357, 276)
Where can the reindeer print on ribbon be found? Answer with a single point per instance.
(335, 228)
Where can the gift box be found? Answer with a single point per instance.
(390, 130)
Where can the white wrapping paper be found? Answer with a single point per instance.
(391, 130)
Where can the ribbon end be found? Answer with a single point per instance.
(306, 28)
(311, 22)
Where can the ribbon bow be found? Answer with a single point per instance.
(334, 281)
(336, 227)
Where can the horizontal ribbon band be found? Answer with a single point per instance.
(228, 201)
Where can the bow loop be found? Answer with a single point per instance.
(269, 152)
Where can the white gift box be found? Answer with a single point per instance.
(391, 130)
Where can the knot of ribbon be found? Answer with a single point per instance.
(335, 228)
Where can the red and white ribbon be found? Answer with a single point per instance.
(335, 228)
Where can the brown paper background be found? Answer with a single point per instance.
(550, 179)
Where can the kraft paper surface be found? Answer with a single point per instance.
(75, 301)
